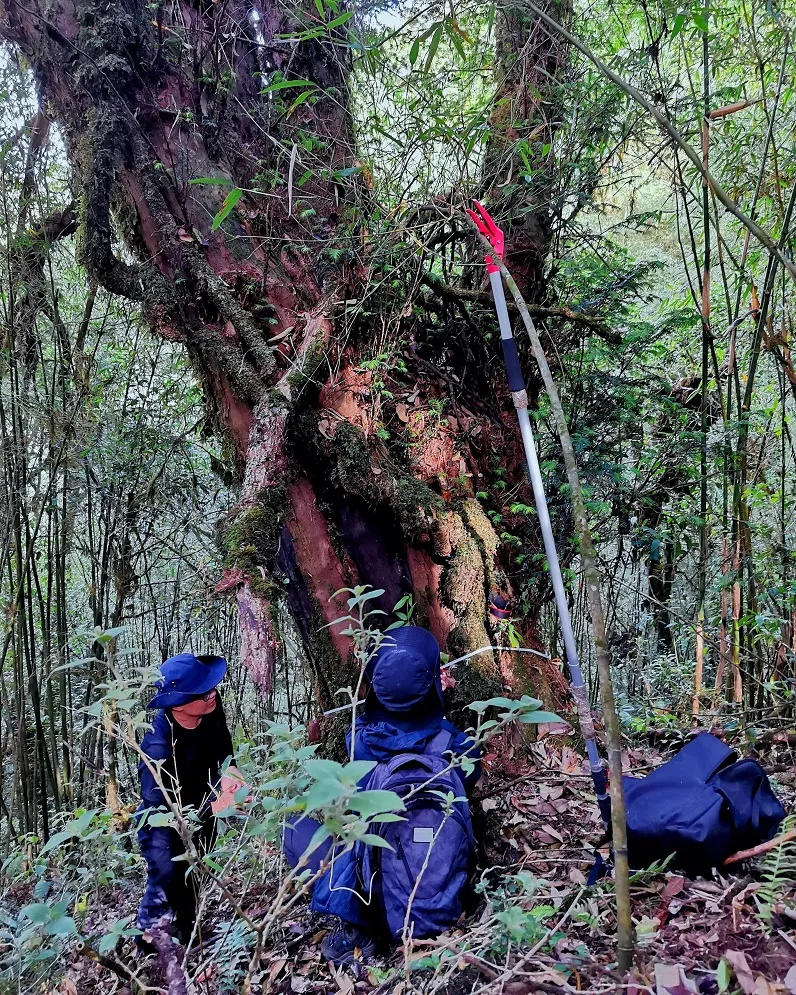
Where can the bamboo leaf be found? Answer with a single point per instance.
(432, 48)
(304, 95)
(340, 20)
(230, 201)
(286, 84)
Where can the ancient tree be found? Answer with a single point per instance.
(217, 185)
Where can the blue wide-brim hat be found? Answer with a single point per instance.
(405, 669)
(185, 676)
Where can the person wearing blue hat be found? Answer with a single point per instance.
(189, 742)
(403, 713)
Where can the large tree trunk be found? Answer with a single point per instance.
(518, 172)
(350, 473)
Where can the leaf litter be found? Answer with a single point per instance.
(538, 819)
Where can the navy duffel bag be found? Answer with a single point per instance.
(701, 806)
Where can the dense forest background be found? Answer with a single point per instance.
(250, 358)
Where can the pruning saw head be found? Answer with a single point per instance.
(484, 223)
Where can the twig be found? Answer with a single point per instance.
(108, 963)
(755, 851)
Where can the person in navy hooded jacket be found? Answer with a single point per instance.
(403, 713)
(190, 740)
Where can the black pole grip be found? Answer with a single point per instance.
(512, 361)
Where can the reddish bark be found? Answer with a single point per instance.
(529, 61)
(426, 576)
(321, 567)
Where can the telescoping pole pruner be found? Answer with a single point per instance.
(519, 396)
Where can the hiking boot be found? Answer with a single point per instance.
(346, 944)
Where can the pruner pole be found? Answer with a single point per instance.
(519, 396)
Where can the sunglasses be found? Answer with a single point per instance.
(207, 696)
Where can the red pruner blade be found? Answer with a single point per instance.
(490, 230)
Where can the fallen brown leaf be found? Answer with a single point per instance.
(670, 979)
(743, 972)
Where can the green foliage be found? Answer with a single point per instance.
(779, 876)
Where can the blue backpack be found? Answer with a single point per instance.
(701, 806)
(425, 873)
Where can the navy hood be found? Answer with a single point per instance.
(404, 673)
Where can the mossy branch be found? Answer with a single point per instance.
(594, 324)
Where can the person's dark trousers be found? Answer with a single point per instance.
(170, 887)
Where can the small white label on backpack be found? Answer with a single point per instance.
(422, 835)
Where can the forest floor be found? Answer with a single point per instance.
(539, 817)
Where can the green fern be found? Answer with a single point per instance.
(779, 871)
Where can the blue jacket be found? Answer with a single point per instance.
(379, 736)
(187, 777)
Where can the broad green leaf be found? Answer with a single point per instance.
(108, 942)
(368, 803)
(499, 702)
(38, 913)
(56, 840)
(373, 840)
(63, 926)
(324, 793)
(414, 51)
(160, 819)
(356, 770)
(531, 718)
(321, 834)
(320, 768)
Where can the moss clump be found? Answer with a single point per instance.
(463, 590)
(307, 369)
(352, 467)
(416, 507)
(485, 536)
(251, 537)
(471, 685)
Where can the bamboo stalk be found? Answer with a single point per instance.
(706, 340)
(698, 667)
